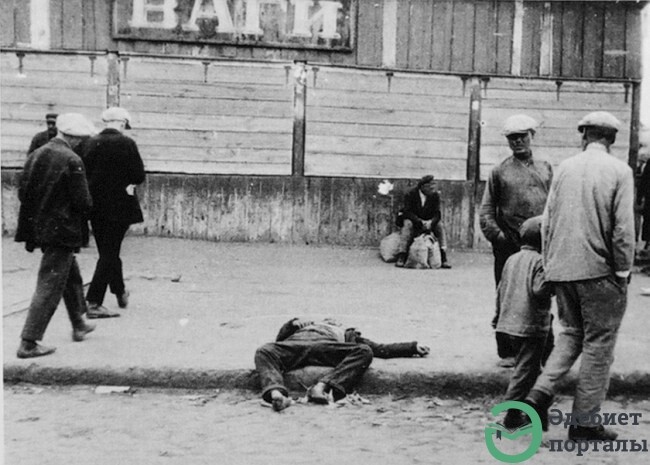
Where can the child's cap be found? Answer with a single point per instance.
(531, 232)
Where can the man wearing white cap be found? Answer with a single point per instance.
(588, 250)
(516, 190)
(54, 202)
(114, 168)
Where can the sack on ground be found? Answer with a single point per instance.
(424, 253)
(388, 247)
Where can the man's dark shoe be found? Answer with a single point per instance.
(123, 299)
(30, 349)
(541, 402)
(79, 334)
(591, 433)
(445, 266)
(514, 419)
(401, 260)
(317, 395)
(99, 311)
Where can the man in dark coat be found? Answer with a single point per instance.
(302, 342)
(43, 137)
(421, 214)
(54, 201)
(114, 169)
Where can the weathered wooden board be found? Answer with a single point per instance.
(234, 118)
(485, 38)
(224, 207)
(441, 37)
(369, 44)
(462, 42)
(390, 129)
(46, 83)
(7, 26)
(420, 34)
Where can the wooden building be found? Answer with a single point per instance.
(274, 120)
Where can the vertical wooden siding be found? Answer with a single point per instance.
(47, 83)
(590, 39)
(369, 124)
(557, 137)
(193, 117)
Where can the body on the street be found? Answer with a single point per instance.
(300, 343)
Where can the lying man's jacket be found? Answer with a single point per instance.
(322, 332)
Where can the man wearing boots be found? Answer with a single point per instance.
(588, 250)
(302, 342)
(421, 214)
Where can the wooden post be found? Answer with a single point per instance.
(113, 80)
(474, 153)
(299, 111)
(633, 156)
(474, 135)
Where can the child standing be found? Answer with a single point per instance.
(523, 328)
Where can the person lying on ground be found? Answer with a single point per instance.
(302, 343)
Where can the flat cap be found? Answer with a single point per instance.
(518, 124)
(601, 119)
(117, 114)
(75, 124)
(51, 116)
(426, 179)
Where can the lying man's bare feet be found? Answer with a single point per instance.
(279, 400)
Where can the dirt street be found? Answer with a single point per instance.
(77, 425)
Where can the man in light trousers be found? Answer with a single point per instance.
(588, 250)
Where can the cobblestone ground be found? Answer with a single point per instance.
(77, 425)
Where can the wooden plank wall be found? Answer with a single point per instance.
(191, 117)
(590, 39)
(369, 124)
(318, 210)
(557, 112)
(45, 83)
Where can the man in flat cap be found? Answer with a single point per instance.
(516, 190)
(421, 214)
(114, 168)
(54, 202)
(588, 251)
(43, 137)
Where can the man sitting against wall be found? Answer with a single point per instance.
(421, 214)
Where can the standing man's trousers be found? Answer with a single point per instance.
(108, 271)
(58, 276)
(590, 312)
